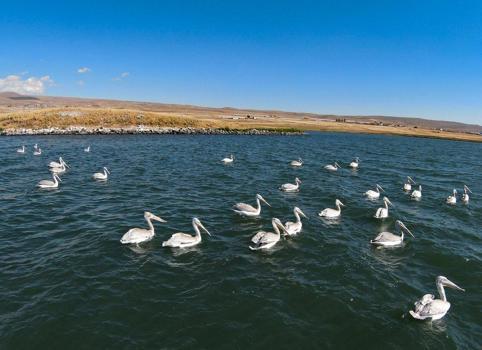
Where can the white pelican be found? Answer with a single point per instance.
(138, 235)
(184, 240)
(332, 167)
(293, 228)
(101, 176)
(429, 308)
(248, 210)
(228, 160)
(87, 149)
(21, 149)
(417, 193)
(58, 164)
(297, 163)
(465, 196)
(58, 170)
(37, 151)
(408, 185)
(383, 212)
(291, 187)
(332, 213)
(374, 194)
(388, 239)
(266, 240)
(50, 183)
(355, 163)
(452, 199)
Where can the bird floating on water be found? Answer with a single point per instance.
(229, 159)
(58, 164)
(248, 210)
(388, 239)
(297, 163)
(58, 170)
(101, 176)
(355, 163)
(139, 235)
(465, 196)
(21, 149)
(291, 187)
(383, 212)
(417, 194)
(332, 167)
(452, 199)
(37, 151)
(374, 194)
(429, 308)
(87, 149)
(266, 240)
(408, 185)
(293, 228)
(50, 183)
(184, 240)
(332, 213)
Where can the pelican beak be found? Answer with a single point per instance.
(406, 229)
(453, 285)
(205, 230)
(157, 218)
(303, 214)
(269, 205)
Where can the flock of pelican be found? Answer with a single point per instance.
(426, 308)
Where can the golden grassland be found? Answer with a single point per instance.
(120, 117)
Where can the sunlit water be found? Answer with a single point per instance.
(67, 282)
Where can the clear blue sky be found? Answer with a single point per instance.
(404, 58)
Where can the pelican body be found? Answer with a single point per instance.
(332, 213)
(139, 235)
(248, 210)
(417, 194)
(297, 163)
(58, 170)
(50, 183)
(355, 163)
(374, 194)
(407, 186)
(37, 151)
(184, 240)
(452, 199)
(429, 308)
(291, 187)
(332, 167)
(383, 212)
(266, 240)
(21, 149)
(293, 228)
(227, 160)
(388, 239)
(465, 196)
(102, 176)
(58, 164)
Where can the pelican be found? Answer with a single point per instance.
(184, 240)
(374, 194)
(417, 193)
(388, 239)
(37, 151)
(21, 149)
(355, 163)
(293, 228)
(452, 199)
(408, 185)
(139, 235)
(266, 240)
(58, 170)
(58, 164)
(332, 213)
(50, 183)
(87, 149)
(101, 176)
(429, 308)
(248, 210)
(332, 167)
(291, 187)
(228, 160)
(383, 212)
(297, 163)
(465, 196)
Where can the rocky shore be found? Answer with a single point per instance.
(146, 130)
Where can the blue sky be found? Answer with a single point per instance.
(403, 58)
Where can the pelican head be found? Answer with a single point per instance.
(149, 216)
(386, 200)
(298, 181)
(454, 192)
(339, 203)
(298, 210)
(106, 170)
(196, 222)
(403, 227)
(444, 281)
(467, 189)
(258, 196)
(380, 188)
(278, 224)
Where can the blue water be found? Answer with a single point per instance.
(67, 282)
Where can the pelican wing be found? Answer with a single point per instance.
(244, 207)
(288, 187)
(386, 237)
(430, 309)
(46, 183)
(137, 235)
(178, 239)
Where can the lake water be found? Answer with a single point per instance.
(67, 282)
